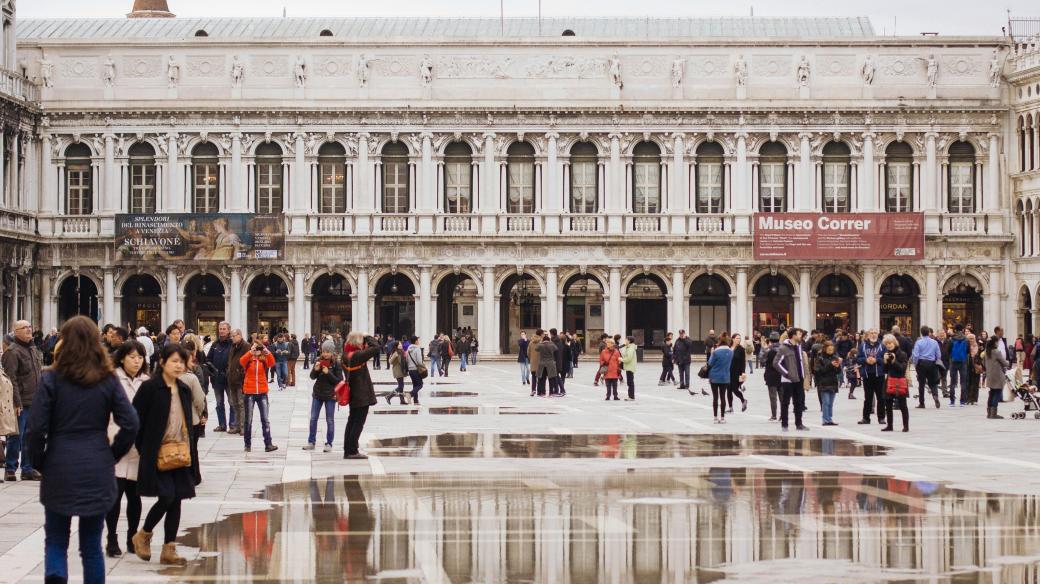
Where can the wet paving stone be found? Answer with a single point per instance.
(707, 525)
(453, 394)
(454, 411)
(622, 446)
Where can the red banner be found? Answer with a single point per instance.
(839, 236)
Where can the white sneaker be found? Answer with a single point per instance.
(328, 448)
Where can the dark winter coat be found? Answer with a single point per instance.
(68, 443)
(236, 372)
(217, 362)
(325, 383)
(23, 363)
(362, 392)
(294, 349)
(547, 358)
(738, 364)
(521, 356)
(771, 376)
(897, 366)
(826, 375)
(681, 350)
(152, 403)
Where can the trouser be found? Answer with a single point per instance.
(827, 403)
(958, 376)
(282, 369)
(330, 420)
(465, 361)
(734, 389)
(222, 395)
(17, 446)
(265, 423)
(751, 365)
(445, 364)
(355, 424)
(974, 380)
(630, 378)
(133, 508)
(56, 529)
(375, 360)
(792, 392)
(561, 383)
(554, 388)
(667, 372)
(684, 375)
(435, 365)
(417, 384)
(899, 403)
(774, 393)
(718, 399)
(292, 372)
(306, 359)
(874, 390)
(473, 358)
(612, 388)
(525, 372)
(599, 374)
(170, 507)
(927, 376)
(237, 416)
(995, 397)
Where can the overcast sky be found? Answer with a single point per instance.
(906, 17)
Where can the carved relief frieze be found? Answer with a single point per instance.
(142, 67)
(394, 65)
(836, 65)
(339, 66)
(961, 66)
(474, 67)
(901, 68)
(646, 66)
(78, 67)
(771, 65)
(206, 66)
(709, 66)
(269, 66)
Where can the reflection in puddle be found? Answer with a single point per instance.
(709, 525)
(489, 445)
(402, 412)
(455, 411)
(453, 394)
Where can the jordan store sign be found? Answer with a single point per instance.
(839, 236)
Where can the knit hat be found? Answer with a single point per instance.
(328, 347)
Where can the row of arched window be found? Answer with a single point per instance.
(1028, 135)
(709, 178)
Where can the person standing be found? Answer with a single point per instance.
(710, 342)
(294, 356)
(532, 359)
(464, 348)
(414, 358)
(628, 360)
(827, 373)
(357, 351)
(770, 374)
(281, 361)
(327, 374)
(895, 364)
(434, 350)
(720, 370)
(682, 351)
(24, 366)
(129, 361)
(305, 350)
(667, 362)
(217, 366)
(870, 358)
(236, 378)
(927, 357)
(395, 363)
(738, 361)
(563, 361)
(790, 362)
(256, 363)
(523, 360)
(599, 370)
(547, 358)
(163, 404)
(146, 342)
(610, 367)
(996, 365)
(68, 440)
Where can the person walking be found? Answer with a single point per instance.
(532, 358)
(896, 386)
(129, 361)
(236, 375)
(720, 370)
(667, 363)
(256, 363)
(358, 350)
(870, 357)
(23, 364)
(146, 342)
(628, 360)
(790, 362)
(996, 365)
(827, 373)
(414, 363)
(281, 361)
(447, 348)
(169, 467)
(195, 378)
(737, 376)
(434, 351)
(547, 354)
(398, 368)
(464, 349)
(927, 359)
(610, 367)
(294, 357)
(327, 374)
(68, 440)
(770, 374)
(217, 367)
(523, 360)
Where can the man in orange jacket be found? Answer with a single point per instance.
(256, 363)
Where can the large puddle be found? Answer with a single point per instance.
(625, 446)
(663, 526)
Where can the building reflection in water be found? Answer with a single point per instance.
(710, 525)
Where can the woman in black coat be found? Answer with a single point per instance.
(68, 443)
(736, 372)
(357, 351)
(154, 406)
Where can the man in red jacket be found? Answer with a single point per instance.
(256, 363)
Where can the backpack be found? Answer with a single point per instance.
(959, 350)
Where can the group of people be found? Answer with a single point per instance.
(547, 360)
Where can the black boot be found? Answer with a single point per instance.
(888, 425)
(130, 543)
(112, 548)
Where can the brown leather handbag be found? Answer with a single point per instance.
(174, 455)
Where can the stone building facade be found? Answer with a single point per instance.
(589, 174)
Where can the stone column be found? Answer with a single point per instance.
(616, 187)
(173, 202)
(931, 315)
(804, 299)
(237, 187)
(678, 319)
(111, 186)
(867, 196)
(991, 195)
(109, 300)
(803, 198)
(551, 299)
(234, 315)
(361, 315)
(740, 318)
(173, 311)
(614, 326)
(870, 301)
(994, 310)
(298, 302)
(425, 310)
(46, 320)
(489, 325)
(929, 185)
(552, 197)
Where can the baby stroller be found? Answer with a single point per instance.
(1026, 392)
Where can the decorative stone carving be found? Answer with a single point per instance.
(362, 70)
(79, 68)
(331, 66)
(238, 72)
(173, 72)
(932, 70)
(142, 67)
(961, 66)
(705, 66)
(868, 70)
(564, 67)
(647, 66)
(206, 66)
(464, 67)
(426, 71)
(395, 66)
(804, 71)
(46, 72)
(771, 66)
(265, 66)
(614, 72)
(898, 66)
(741, 70)
(836, 65)
(300, 72)
(996, 69)
(108, 72)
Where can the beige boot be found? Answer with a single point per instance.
(169, 556)
(143, 545)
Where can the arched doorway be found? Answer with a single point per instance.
(521, 310)
(835, 304)
(141, 303)
(962, 303)
(457, 304)
(646, 311)
(395, 306)
(77, 295)
(268, 309)
(900, 303)
(331, 310)
(1025, 312)
(709, 308)
(204, 304)
(773, 304)
(583, 309)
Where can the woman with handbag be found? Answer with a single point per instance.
(327, 374)
(169, 466)
(736, 373)
(996, 365)
(897, 387)
(395, 363)
(720, 365)
(69, 444)
(417, 370)
(357, 352)
(610, 367)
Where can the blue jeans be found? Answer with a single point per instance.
(958, 372)
(265, 422)
(995, 397)
(417, 384)
(525, 371)
(56, 547)
(435, 365)
(220, 393)
(281, 368)
(465, 359)
(330, 420)
(827, 400)
(17, 444)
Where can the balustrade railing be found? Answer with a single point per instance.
(18, 87)
(974, 223)
(645, 224)
(584, 223)
(520, 223)
(80, 225)
(17, 222)
(456, 223)
(395, 224)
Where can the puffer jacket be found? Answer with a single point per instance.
(611, 359)
(255, 382)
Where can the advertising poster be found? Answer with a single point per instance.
(839, 236)
(199, 236)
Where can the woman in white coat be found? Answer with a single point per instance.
(129, 359)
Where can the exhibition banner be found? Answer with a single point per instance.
(199, 236)
(839, 236)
